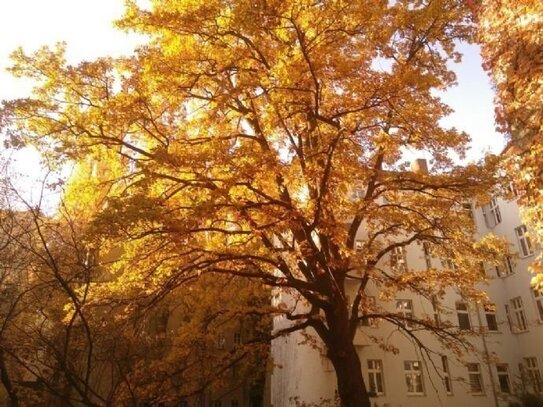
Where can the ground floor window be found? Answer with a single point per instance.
(534, 375)
(475, 378)
(503, 377)
(446, 375)
(413, 377)
(375, 376)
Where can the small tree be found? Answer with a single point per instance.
(238, 134)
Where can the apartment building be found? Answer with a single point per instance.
(508, 336)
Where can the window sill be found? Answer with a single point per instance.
(526, 256)
(416, 394)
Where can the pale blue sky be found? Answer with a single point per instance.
(86, 26)
(472, 100)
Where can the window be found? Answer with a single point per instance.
(221, 340)
(448, 263)
(375, 376)
(463, 315)
(467, 209)
(534, 375)
(235, 403)
(505, 268)
(538, 297)
(491, 320)
(237, 338)
(482, 269)
(475, 378)
(405, 308)
(446, 375)
(524, 242)
(509, 320)
(91, 258)
(368, 306)
(491, 213)
(216, 403)
(519, 318)
(427, 254)
(413, 377)
(513, 190)
(358, 193)
(358, 245)
(435, 307)
(398, 260)
(503, 377)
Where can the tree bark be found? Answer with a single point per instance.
(342, 352)
(6, 381)
(351, 386)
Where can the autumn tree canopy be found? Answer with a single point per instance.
(68, 338)
(235, 138)
(510, 34)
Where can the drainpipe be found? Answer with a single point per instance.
(487, 358)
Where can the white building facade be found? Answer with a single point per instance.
(508, 334)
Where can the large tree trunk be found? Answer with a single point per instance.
(342, 353)
(351, 387)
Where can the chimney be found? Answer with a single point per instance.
(419, 166)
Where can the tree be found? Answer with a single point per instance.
(510, 35)
(239, 133)
(70, 333)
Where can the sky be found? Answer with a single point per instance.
(86, 26)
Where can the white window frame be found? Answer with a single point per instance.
(502, 370)
(492, 214)
(520, 323)
(534, 374)
(447, 382)
(505, 268)
(376, 378)
(448, 263)
(538, 300)
(462, 309)
(405, 308)
(398, 259)
(509, 319)
(467, 208)
(435, 307)
(526, 248)
(427, 254)
(358, 245)
(490, 313)
(358, 193)
(513, 190)
(413, 377)
(371, 303)
(475, 377)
